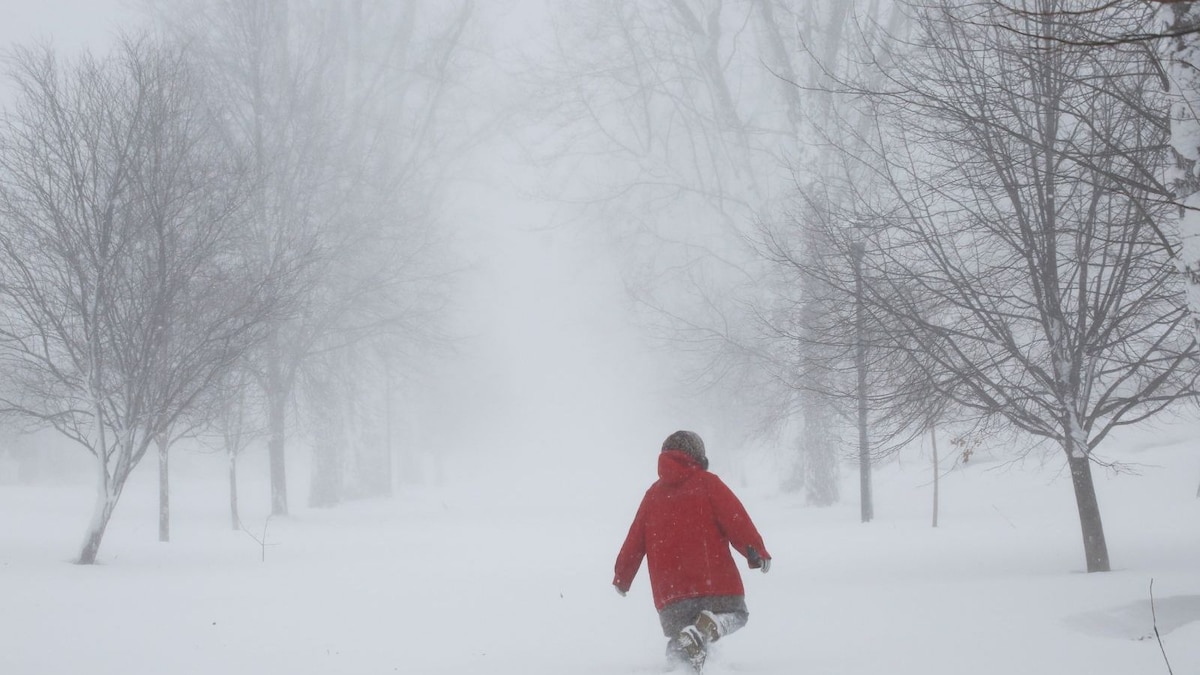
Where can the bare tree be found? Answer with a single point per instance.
(855, 358)
(1183, 59)
(679, 124)
(234, 414)
(338, 104)
(1023, 195)
(124, 292)
(1175, 39)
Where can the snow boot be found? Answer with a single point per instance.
(710, 626)
(676, 658)
(693, 640)
(693, 647)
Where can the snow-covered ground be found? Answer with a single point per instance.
(507, 571)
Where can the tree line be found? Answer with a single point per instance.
(226, 226)
(860, 222)
(898, 218)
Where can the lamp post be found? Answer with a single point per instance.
(858, 249)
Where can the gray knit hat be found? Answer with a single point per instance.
(689, 442)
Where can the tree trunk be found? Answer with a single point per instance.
(276, 414)
(95, 533)
(936, 471)
(106, 501)
(820, 463)
(783, 62)
(1094, 546)
(795, 482)
(327, 482)
(234, 519)
(327, 479)
(164, 492)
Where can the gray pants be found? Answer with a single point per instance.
(730, 610)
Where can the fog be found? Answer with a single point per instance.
(348, 333)
(550, 365)
(542, 342)
(69, 23)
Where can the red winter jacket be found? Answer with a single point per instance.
(684, 527)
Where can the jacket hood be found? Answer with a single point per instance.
(689, 442)
(676, 466)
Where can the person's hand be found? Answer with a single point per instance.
(619, 591)
(757, 562)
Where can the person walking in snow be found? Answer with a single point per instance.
(684, 528)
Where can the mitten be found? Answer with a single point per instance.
(757, 562)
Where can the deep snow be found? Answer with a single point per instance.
(507, 570)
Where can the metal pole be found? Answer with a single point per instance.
(387, 428)
(860, 365)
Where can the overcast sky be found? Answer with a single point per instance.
(66, 22)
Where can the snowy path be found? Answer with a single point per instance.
(505, 577)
